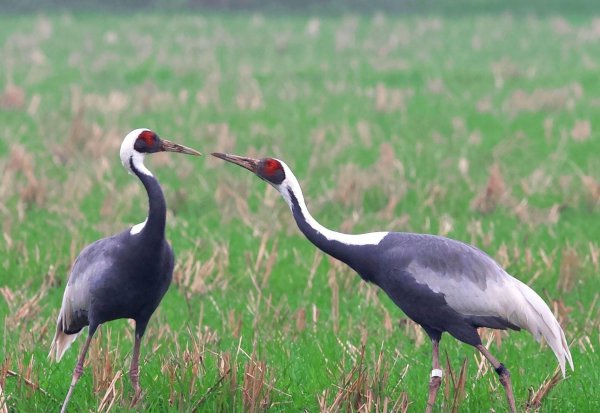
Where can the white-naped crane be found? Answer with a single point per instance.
(123, 276)
(442, 284)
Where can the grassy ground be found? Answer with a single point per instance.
(481, 129)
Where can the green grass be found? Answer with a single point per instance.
(441, 91)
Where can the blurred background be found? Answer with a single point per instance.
(472, 119)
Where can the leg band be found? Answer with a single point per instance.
(501, 370)
(436, 373)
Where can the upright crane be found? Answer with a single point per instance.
(123, 276)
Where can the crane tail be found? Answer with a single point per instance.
(68, 326)
(61, 342)
(538, 319)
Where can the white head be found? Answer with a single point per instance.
(140, 142)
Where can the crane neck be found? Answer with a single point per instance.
(154, 226)
(344, 247)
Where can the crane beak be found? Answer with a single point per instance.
(248, 163)
(168, 146)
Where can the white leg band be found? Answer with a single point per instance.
(436, 373)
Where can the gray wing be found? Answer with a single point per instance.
(474, 285)
(454, 260)
(94, 261)
(470, 281)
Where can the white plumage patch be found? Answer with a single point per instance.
(290, 182)
(537, 318)
(128, 153)
(137, 228)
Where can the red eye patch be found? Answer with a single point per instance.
(271, 166)
(148, 136)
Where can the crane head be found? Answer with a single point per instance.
(274, 171)
(271, 170)
(140, 142)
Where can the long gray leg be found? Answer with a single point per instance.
(134, 370)
(436, 376)
(78, 370)
(503, 374)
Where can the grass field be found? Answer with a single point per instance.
(481, 128)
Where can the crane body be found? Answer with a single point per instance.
(442, 284)
(96, 277)
(122, 276)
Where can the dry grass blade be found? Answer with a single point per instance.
(23, 308)
(402, 403)
(582, 130)
(101, 361)
(448, 379)
(317, 258)
(229, 369)
(271, 259)
(13, 97)
(363, 391)
(592, 188)
(195, 276)
(28, 382)
(562, 311)
(482, 364)
(570, 267)
(493, 193)
(261, 251)
(535, 399)
(255, 389)
(335, 299)
(456, 383)
(459, 388)
(3, 403)
(22, 162)
(593, 315)
(595, 256)
(210, 390)
(350, 392)
(4, 369)
(300, 317)
(111, 394)
(541, 99)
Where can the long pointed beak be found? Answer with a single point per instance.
(250, 164)
(169, 146)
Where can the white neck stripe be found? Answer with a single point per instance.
(291, 183)
(138, 162)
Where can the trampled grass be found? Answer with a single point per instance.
(480, 128)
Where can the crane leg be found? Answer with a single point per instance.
(436, 376)
(134, 370)
(503, 375)
(77, 371)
